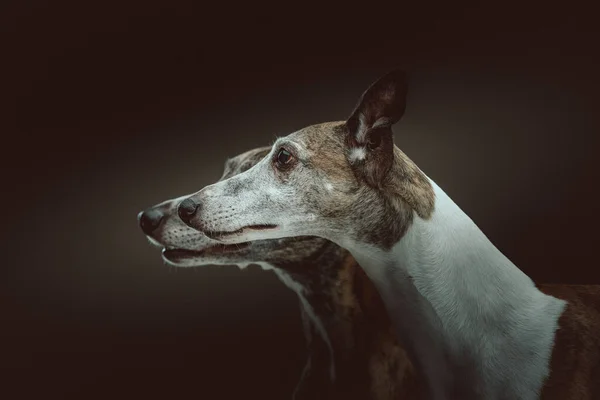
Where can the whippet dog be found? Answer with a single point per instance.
(353, 353)
(474, 325)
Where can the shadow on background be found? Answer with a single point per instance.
(113, 108)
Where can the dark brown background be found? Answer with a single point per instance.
(113, 107)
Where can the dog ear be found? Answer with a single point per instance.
(369, 128)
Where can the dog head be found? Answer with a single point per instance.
(186, 247)
(344, 181)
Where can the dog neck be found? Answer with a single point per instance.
(474, 324)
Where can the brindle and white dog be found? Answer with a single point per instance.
(353, 353)
(474, 325)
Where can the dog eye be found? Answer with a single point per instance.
(283, 157)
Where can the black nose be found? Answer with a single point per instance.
(187, 209)
(150, 220)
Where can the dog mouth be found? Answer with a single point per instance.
(219, 235)
(176, 255)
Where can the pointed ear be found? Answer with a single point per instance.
(369, 128)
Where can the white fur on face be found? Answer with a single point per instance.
(255, 197)
(175, 234)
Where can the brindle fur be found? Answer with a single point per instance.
(404, 190)
(575, 363)
(370, 363)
